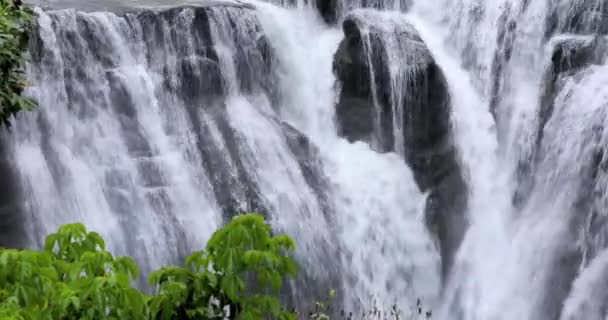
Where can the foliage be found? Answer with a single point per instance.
(15, 25)
(214, 283)
(74, 277)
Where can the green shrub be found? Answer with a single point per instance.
(237, 276)
(15, 25)
(214, 283)
(74, 277)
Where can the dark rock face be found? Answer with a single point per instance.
(370, 97)
(355, 110)
(328, 10)
(12, 228)
(411, 117)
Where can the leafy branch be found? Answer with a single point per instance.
(15, 27)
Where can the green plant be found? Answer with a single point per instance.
(15, 25)
(237, 276)
(72, 278)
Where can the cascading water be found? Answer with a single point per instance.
(154, 127)
(522, 263)
(457, 151)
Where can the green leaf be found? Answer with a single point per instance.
(127, 264)
(229, 286)
(50, 241)
(97, 240)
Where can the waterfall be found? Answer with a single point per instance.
(155, 126)
(449, 150)
(532, 250)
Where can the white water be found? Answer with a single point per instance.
(589, 292)
(379, 211)
(96, 166)
(474, 275)
(510, 260)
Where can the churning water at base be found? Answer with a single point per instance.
(156, 127)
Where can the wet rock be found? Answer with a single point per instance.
(328, 10)
(355, 110)
(395, 97)
(12, 223)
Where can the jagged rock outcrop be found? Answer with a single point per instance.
(355, 111)
(395, 97)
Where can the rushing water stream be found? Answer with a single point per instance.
(470, 171)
